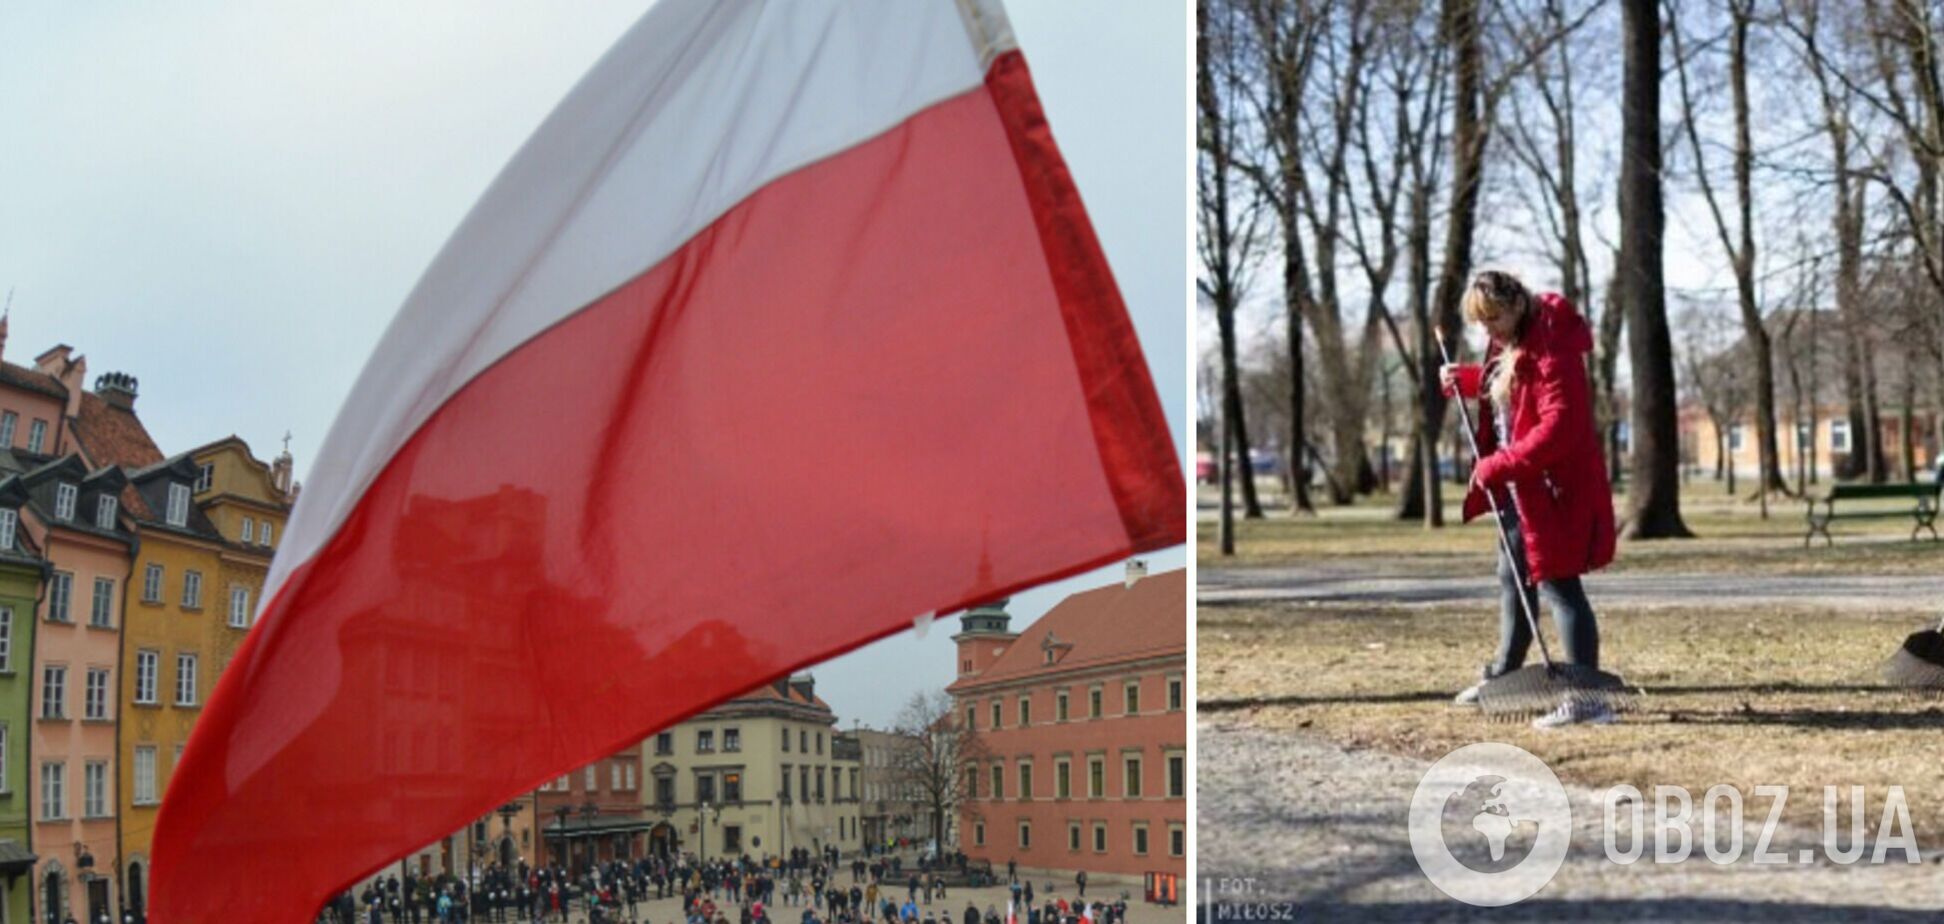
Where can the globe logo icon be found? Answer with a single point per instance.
(1483, 831)
(1490, 824)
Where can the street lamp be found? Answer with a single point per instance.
(562, 812)
(704, 815)
(588, 813)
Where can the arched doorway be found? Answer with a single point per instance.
(136, 889)
(662, 841)
(53, 892)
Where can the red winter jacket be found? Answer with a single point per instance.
(1554, 466)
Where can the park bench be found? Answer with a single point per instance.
(1922, 497)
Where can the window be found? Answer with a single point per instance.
(803, 741)
(54, 790)
(1174, 694)
(1177, 840)
(704, 788)
(614, 777)
(152, 583)
(786, 741)
(178, 512)
(95, 695)
(971, 781)
(732, 787)
(705, 741)
(146, 663)
(630, 778)
(997, 719)
(1094, 698)
(6, 641)
(249, 530)
(1025, 834)
(820, 785)
(1131, 696)
(94, 778)
(58, 595)
(1735, 437)
(263, 534)
(9, 422)
(1025, 711)
(732, 739)
(820, 742)
(1096, 777)
(1804, 437)
(1131, 784)
(102, 614)
(9, 522)
(1062, 778)
(969, 715)
(1140, 839)
(205, 474)
(4, 754)
(1177, 776)
(36, 435)
(1839, 435)
(978, 834)
(1060, 706)
(185, 680)
(1073, 836)
(53, 692)
(564, 783)
(665, 743)
(1025, 781)
(591, 777)
(239, 606)
(665, 790)
(105, 508)
(64, 497)
(1100, 837)
(192, 590)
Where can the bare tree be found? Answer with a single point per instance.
(1227, 240)
(935, 758)
(1655, 498)
(1738, 242)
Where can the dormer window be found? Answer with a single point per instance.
(178, 512)
(64, 497)
(249, 531)
(105, 508)
(204, 476)
(9, 521)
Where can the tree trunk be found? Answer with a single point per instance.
(1655, 498)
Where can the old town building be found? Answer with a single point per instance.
(1078, 731)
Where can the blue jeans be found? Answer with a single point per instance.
(1572, 612)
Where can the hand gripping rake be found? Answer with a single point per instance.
(1919, 665)
(1538, 688)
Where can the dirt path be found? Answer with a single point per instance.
(1292, 826)
(1360, 581)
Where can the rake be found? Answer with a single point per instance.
(1538, 688)
(1919, 665)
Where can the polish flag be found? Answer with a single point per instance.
(785, 328)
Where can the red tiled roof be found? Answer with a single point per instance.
(768, 691)
(32, 379)
(1105, 625)
(112, 435)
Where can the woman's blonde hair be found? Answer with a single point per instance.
(1495, 296)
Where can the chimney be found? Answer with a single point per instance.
(116, 388)
(1136, 570)
(805, 685)
(54, 361)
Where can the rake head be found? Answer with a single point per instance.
(1919, 665)
(1538, 689)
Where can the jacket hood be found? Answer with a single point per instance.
(1558, 328)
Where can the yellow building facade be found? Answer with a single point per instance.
(211, 521)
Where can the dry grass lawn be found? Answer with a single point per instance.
(1732, 696)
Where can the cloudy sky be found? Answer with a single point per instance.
(229, 200)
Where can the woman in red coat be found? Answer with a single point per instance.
(1540, 454)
